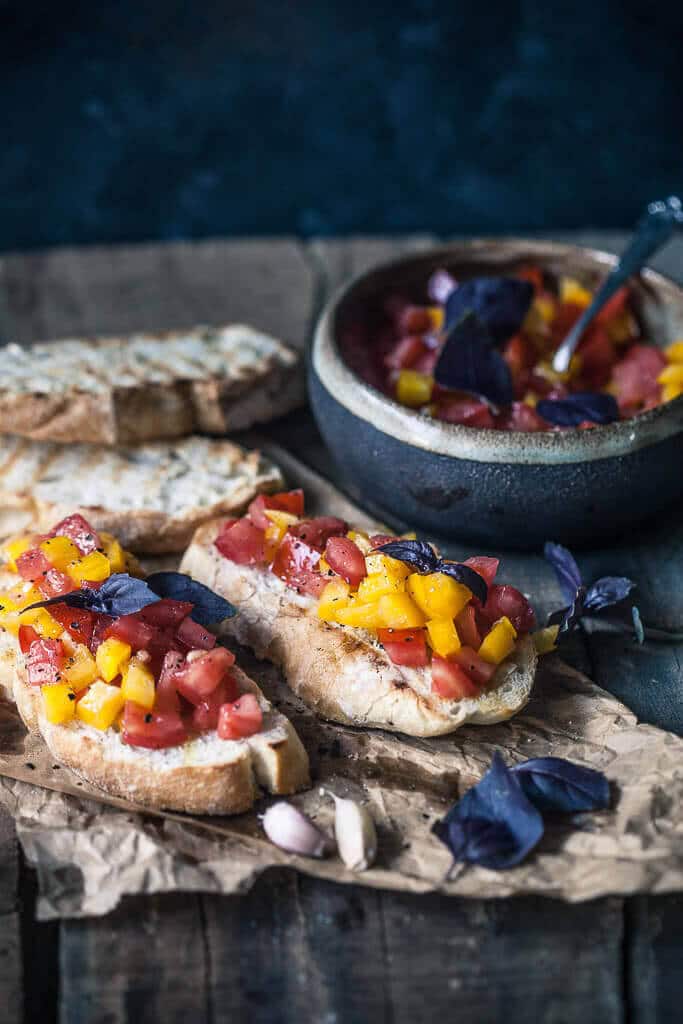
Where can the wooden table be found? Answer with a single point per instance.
(296, 949)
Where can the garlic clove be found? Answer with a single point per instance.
(292, 830)
(355, 833)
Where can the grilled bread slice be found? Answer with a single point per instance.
(340, 672)
(147, 386)
(151, 496)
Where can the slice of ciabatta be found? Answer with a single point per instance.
(342, 673)
(205, 775)
(151, 496)
(147, 386)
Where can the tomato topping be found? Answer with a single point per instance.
(242, 543)
(347, 559)
(507, 600)
(378, 539)
(405, 353)
(33, 564)
(55, 584)
(520, 416)
(285, 501)
(478, 670)
(154, 730)
(200, 676)
(165, 613)
(205, 714)
(78, 622)
(471, 412)
(415, 320)
(79, 530)
(240, 719)
(295, 562)
(131, 630)
(519, 353)
(166, 694)
(194, 636)
(598, 356)
(613, 307)
(635, 376)
(486, 566)
(45, 661)
(450, 680)
(466, 625)
(27, 634)
(101, 625)
(316, 532)
(405, 646)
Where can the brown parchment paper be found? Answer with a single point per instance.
(90, 849)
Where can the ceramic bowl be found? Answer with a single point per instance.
(504, 488)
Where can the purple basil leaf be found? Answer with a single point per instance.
(208, 606)
(555, 785)
(568, 618)
(120, 594)
(501, 303)
(465, 575)
(469, 362)
(440, 286)
(574, 409)
(417, 553)
(566, 569)
(606, 591)
(494, 824)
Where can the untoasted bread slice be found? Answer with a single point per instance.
(342, 673)
(147, 386)
(152, 496)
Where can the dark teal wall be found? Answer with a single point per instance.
(159, 119)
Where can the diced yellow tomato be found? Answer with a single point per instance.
(530, 399)
(281, 519)
(114, 552)
(138, 684)
(438, 595)
(80, 669)
(545, 307)
(572, 291)
(59, 703)
(545, 640)
(324, 567)
(111, 658)
(15, 547)
(413, 388)
(393, 567)
(545, 369)
(361, 540)
(42, 622)
(334, 597)
(376, 584)
(60, 551)
(399, 611)
(362, 616)
(621, 328)
(674, 352)
(498, 642)
(91, 568)
(436, 315)
(671, 374)
(101, 705)
(671, 391)
(443, 636)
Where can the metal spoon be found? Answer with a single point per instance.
(659, 223)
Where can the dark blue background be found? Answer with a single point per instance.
(159, 119)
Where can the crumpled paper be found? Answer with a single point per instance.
(90, 850)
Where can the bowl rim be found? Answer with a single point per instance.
(481, 444)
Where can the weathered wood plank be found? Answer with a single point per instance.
(145, 962)
(653, 957)
(267, 282)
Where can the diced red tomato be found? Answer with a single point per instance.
(347, 559)
(195, 636)
(635, 376)
(613, 307)
(295, 562)
(519, 353)
(242, 543)
(316, 532)
(507, 600)
(534, 275)
(486, 566)
(165, 613)
(470, 412)
(405, 646)
(79, 530)
(598, 356)
(478, 670)
(520, 416)
(426, 362)
(45, 661)
(205, 714)
(566, 315)
(27, 635)
(450, 680)
(285, 501)
(240, 719)
(379, 539)
(466, 625)
(33, 565)
(131, 630)
(55, 584)
(405, 353)
(78, 622)
(415, 320)
(155, 730)
(166, 694)
(198, 678)
(100, 626)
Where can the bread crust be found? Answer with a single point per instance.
(340, 672)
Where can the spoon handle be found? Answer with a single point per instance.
(659, 223)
